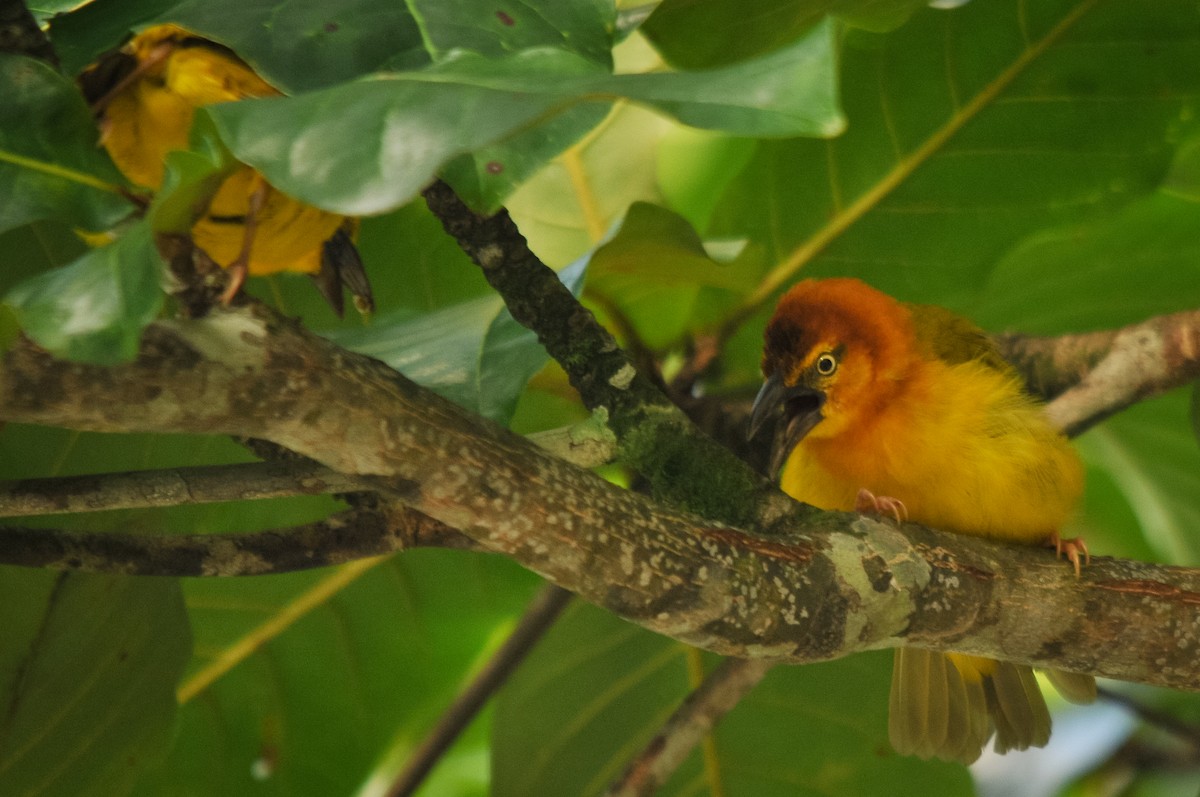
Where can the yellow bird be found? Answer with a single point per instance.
(908, 409)
(145, 96)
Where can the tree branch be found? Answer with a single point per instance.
(171, 487)
(343, 537)
(1096, 374)
(826, 584)
(587, 445)
(682, 466)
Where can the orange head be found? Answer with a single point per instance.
(837, 350)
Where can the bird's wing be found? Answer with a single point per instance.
(953, 339)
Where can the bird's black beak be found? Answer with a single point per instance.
(801, 407)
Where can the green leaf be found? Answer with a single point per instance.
(696, 166)
(305, 46)
(495, 29)
(488, 176)
(569, 207)
(694, 35)
(50, 166)
(1184, 178)
(94, 309)
(407, 125)
(295, 46)
(1194, 410)
(662, 247)
(597, 689)
(311, 684)
(592, 691)
(98, 26)
(191, 179)
(301, 47)
(1156, 469)
(35, 248)
(87, 678)
(473, 353)
(1141, 261)
(485, 177)
(660, 275)
(969, 130)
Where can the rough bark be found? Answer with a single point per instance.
(820, 585)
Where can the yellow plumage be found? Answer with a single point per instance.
(911, 402)
(147, 112)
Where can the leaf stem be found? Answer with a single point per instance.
(63, 172)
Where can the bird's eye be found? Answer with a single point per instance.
(826, 364)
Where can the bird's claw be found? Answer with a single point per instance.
(1071, 548)
(236, 278)
(868, 503)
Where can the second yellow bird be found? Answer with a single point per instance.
(145, 97)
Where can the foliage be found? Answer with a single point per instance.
(1029, 164)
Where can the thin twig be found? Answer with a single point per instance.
(1186, 731)
(537, 619)
(343, 537)
(721, 691)
(172, 487)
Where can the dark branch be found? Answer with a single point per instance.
(171, 487)
(683, 466)
(537, 619)
(343, 537)
(721, 691)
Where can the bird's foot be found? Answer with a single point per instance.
(234, 281)
(866, 502)
(240, 267)
(1071, 548)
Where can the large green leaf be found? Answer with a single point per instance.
(296, 46)
(473, 353)
(94, 309)
(1140, 261)
(100, 25)
(694, 34)
(50, 167)
(969, 131)
(596, 689)
(311, 684)
(659, 274)
(569, 207)
(87, 678)
(1155, 465)
(487, 176)
(584, 27)
(407, 125)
